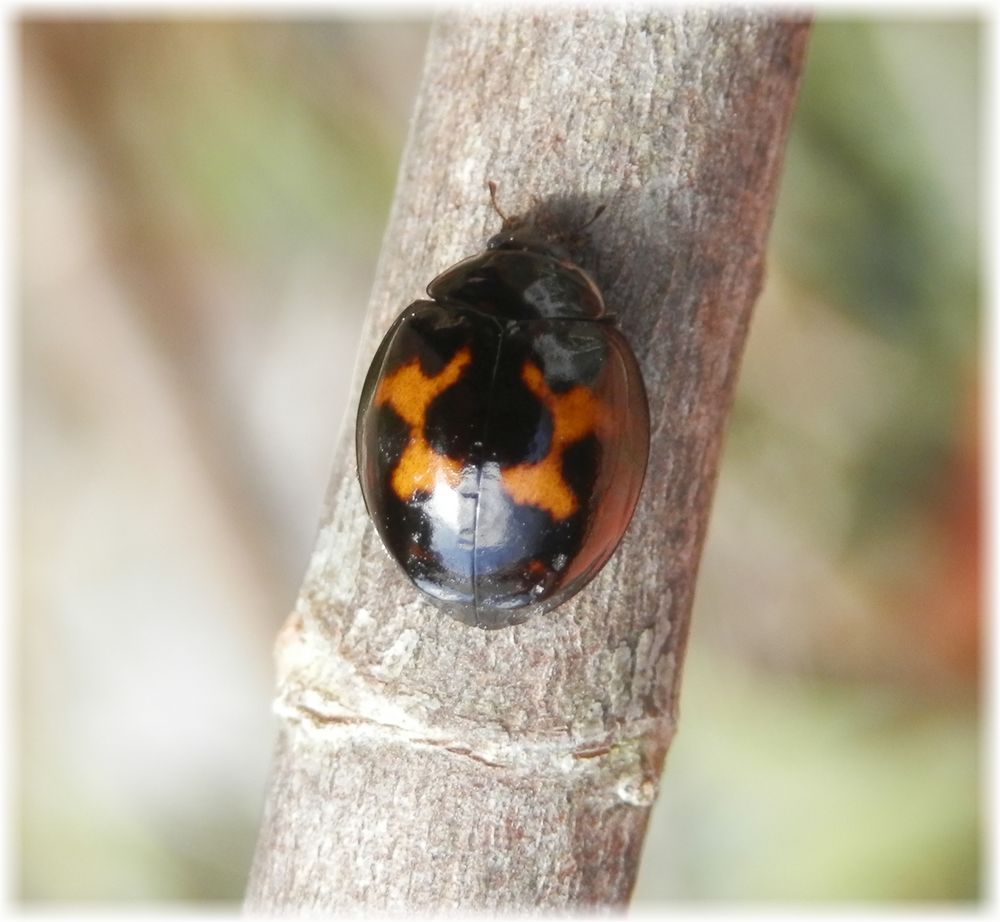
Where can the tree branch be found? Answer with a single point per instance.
(425, 764)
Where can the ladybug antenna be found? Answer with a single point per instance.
(493, 201)
(597, 214)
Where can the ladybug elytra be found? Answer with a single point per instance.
(503, 432)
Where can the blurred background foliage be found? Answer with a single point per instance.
(201, 205)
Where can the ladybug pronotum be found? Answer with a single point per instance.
(503, 432)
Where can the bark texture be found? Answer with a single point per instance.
(424, 764)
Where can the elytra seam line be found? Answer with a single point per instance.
(479, 479)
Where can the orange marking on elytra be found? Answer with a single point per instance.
(575, 414)
(410, 392)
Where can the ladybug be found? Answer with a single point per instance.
(503, 431)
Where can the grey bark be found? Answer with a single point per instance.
(424, 764)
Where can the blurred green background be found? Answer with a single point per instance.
(201, 205)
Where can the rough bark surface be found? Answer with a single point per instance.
(425, 764)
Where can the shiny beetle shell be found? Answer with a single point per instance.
(502, 433)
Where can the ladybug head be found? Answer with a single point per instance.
(529, 238)
(534, 235)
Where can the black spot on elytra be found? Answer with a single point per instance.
(570, 353)
(580, 464)
(455, 420)
(432, 335)
(388, 436)
(520, 425)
